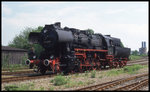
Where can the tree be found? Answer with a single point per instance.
(21, 40)
(90, 31)
(122, 45)
(135, 52)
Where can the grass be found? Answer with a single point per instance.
(11, 88)
(42, 88)
(86, 73)
(136, 57)
(21, 87)
(93, 74)
(73, 84)
(72, 80)
(51, 88)
(89, 82)
(68, 82)
(13, 67)
(114, 72)
(132, 69)
(60, 80)
(100, 77)
(65, 81)
(127, 69)
(76, 74)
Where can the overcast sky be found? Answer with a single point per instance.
(125, 20)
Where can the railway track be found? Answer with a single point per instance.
(141, 63)
(26, 77)
(103, 86)
(141, 84)
(18, 78)
(18, 72)
(133, 86)
(14, 69)
(141, 60)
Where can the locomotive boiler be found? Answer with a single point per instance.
(73, 50)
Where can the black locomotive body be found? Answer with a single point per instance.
(70, 49)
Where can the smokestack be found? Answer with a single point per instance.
(144, 44)
(58, 24)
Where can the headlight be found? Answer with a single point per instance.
(34, 57)
(52, 57)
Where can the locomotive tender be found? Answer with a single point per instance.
(70, 49)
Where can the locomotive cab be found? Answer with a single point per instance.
(115, 48)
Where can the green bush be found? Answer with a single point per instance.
(20, 87)
(60, 80)
(127, 69)
(144, 55)
(114, 72)
(41, 88)
(73, 84)
(132, 69)
(100, 77)
(11, 88)
(14, 67)
(76, 74)
(93, 74)
(134, 57)
(23, 59)
(51, 88)
(80, 83)
(86, 73)
(51, 81)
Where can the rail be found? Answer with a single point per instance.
(133, 86)
(102, 86)
(11, 79)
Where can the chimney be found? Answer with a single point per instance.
(144, 44)
(58, 24)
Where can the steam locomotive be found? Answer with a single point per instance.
(73, 50)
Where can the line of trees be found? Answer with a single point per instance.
(21, 40)
(135, 52)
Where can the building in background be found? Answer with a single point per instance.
(142, 50)
(13, 55)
